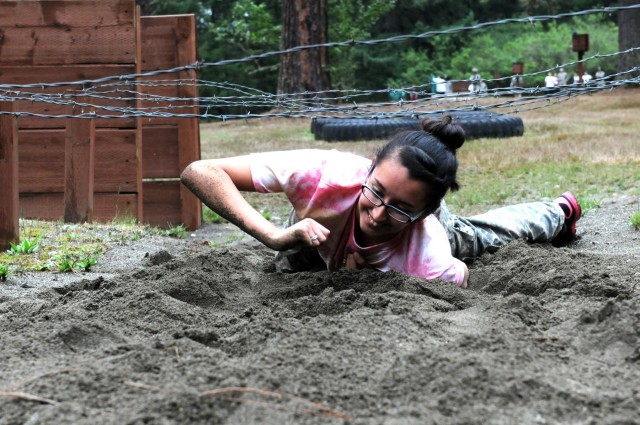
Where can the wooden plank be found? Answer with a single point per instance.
(160, 151)
(42, 161)
(115, 206)
(162, 203)
(164, 36)
(42, 206)
(106, 206)
(189, 129)
(117, 161)
(103, 95)
(68, 32)
(159, 43)
(79, 169)
(188, 135)
(9, 218)
(186, 43)
(66, 13)
(67, 46)
(139, 185)
(169, 42)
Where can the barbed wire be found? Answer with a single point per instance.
(511, 100)
(132, 96)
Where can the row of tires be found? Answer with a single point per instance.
(476, 124)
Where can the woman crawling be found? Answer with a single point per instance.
(387, 213)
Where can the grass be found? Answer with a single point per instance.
(178, 231)
(25, 246)
(635, 220)
(210, 216)
(4, 272)
(59, 247)
(587, 144)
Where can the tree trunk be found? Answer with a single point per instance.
(145, 7)
(304, 23)
(628, 37)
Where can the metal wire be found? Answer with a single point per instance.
(131, 96)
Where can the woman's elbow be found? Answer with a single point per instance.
(192, 174)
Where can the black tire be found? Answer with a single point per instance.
(476, 124)
(362, 129)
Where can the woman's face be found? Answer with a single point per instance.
(391, 181)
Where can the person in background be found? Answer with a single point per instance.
(562, 77)
(576, 79)
(517, 83)
(586, 78)
(448, 87)
(440, 84)
(600, 77)
(476, 81)
(550, 80)
(413, 93)
(397, 94)
(384, 213)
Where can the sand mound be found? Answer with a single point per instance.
(172, 332)
(544, 336)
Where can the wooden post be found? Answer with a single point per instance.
(138, 120)
(79, 168)
(9, 196)
(580, 67)
(188, 128)
(580, 44)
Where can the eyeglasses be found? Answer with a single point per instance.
(395, 213)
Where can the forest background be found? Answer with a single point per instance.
(242, 28)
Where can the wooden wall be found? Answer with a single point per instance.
(133, 164)
(171, 143)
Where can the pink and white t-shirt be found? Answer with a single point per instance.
(325, 186)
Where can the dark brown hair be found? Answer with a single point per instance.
(429, 155)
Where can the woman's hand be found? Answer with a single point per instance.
(306, 232)
(355, 261)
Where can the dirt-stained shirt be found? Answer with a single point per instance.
(325, 185)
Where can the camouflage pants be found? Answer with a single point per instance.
(470, 237)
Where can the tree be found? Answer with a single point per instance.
(628, 37)
(145, 7)
(304, 23)
(354, 20)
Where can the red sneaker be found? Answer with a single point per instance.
(572, 213)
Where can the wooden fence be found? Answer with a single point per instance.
(84, 169)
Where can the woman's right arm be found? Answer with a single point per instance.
(218, 182)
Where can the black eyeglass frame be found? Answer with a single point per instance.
(410, 219)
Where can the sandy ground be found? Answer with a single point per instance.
(165, 331)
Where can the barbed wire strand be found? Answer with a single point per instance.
(129, 89)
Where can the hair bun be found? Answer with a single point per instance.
(450, 134)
